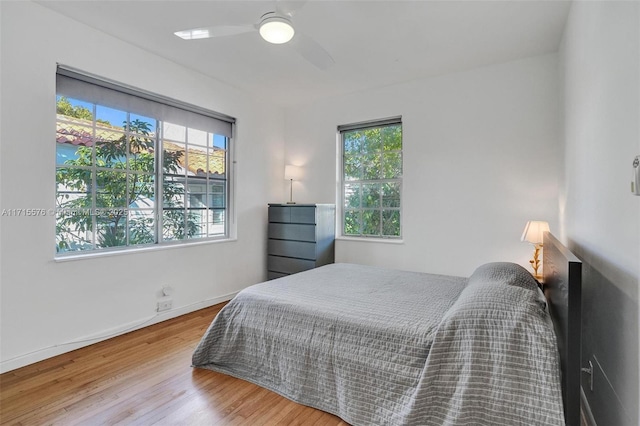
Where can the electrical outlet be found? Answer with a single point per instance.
(165, 305)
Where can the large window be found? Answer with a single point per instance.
(372, 178)
(136, 169)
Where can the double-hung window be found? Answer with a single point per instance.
(135, 169)
(371, 178)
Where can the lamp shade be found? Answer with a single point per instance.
(292, 172)
(276, 29)
(534, 231)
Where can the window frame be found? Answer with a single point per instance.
(159, 173)
(341, 182)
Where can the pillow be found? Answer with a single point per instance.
(496, 291)
(503, 273)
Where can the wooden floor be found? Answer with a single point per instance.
(145, 378)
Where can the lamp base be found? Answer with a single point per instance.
(535, 262)
(291, 194)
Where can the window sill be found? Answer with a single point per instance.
(80, 256)
(372, 240)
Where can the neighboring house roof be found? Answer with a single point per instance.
(197, 159)
(79, 132)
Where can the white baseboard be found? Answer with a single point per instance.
(61, 348)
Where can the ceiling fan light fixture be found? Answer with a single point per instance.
(276, 29)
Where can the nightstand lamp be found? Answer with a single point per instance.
(292, 173)
(533, 233)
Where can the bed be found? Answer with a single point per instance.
(376, 346)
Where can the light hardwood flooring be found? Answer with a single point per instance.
(144, 378)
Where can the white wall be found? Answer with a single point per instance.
(600, 58)
(46, 303)
(480, 159)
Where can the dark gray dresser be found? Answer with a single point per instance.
(301, 237)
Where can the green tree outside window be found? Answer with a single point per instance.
(372, 181)
(106, 184)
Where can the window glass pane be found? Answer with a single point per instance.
(196, 223)
(216, 222)
(352, 167)
(210, 223)
(217, 163)
(370, 195)
(371, 167)
(391, 223)
(352, 142)
(74, 143)
(216, 196)
(371, 222)
(142, 157)
(141, 226)
(391, 194)
(73, 188)
(104, 134)
(173, 192)
(143, 125)
(141, 191)
(142, 146)
(111, 141)
(197, 161)
(74, 108)
(74, 230)
(111, 150)
(392, 165)
(109, 118)
(392, 138)
(173, 224)
(197, 193)
(352, 222)
(218, 141)
(372, 140)
(111, 228)
(173, 158)
(111, 189)
(67, 153)
(352, 195)
(75, 132)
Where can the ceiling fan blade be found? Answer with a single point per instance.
(312, 51)
(289, 7)
(215, 31)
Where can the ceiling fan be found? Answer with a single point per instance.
(274, 27)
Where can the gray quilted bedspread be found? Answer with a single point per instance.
(385, 347)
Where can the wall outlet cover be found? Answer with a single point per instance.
(165, 305)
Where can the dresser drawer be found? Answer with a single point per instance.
(287, 214)
(279, 214)
(300, 249)
(288, 265)
(273, 275)
(303, 215)
(291, 231)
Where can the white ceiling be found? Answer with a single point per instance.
(373, 43)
